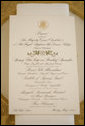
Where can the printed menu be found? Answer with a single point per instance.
(43, 75)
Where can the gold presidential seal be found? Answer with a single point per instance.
(43, 24)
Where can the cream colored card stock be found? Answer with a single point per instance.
(43, 65)
(22, 10)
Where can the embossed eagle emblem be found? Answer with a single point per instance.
(43, 24)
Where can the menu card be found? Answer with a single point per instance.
(43, 77)
(49, 9)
